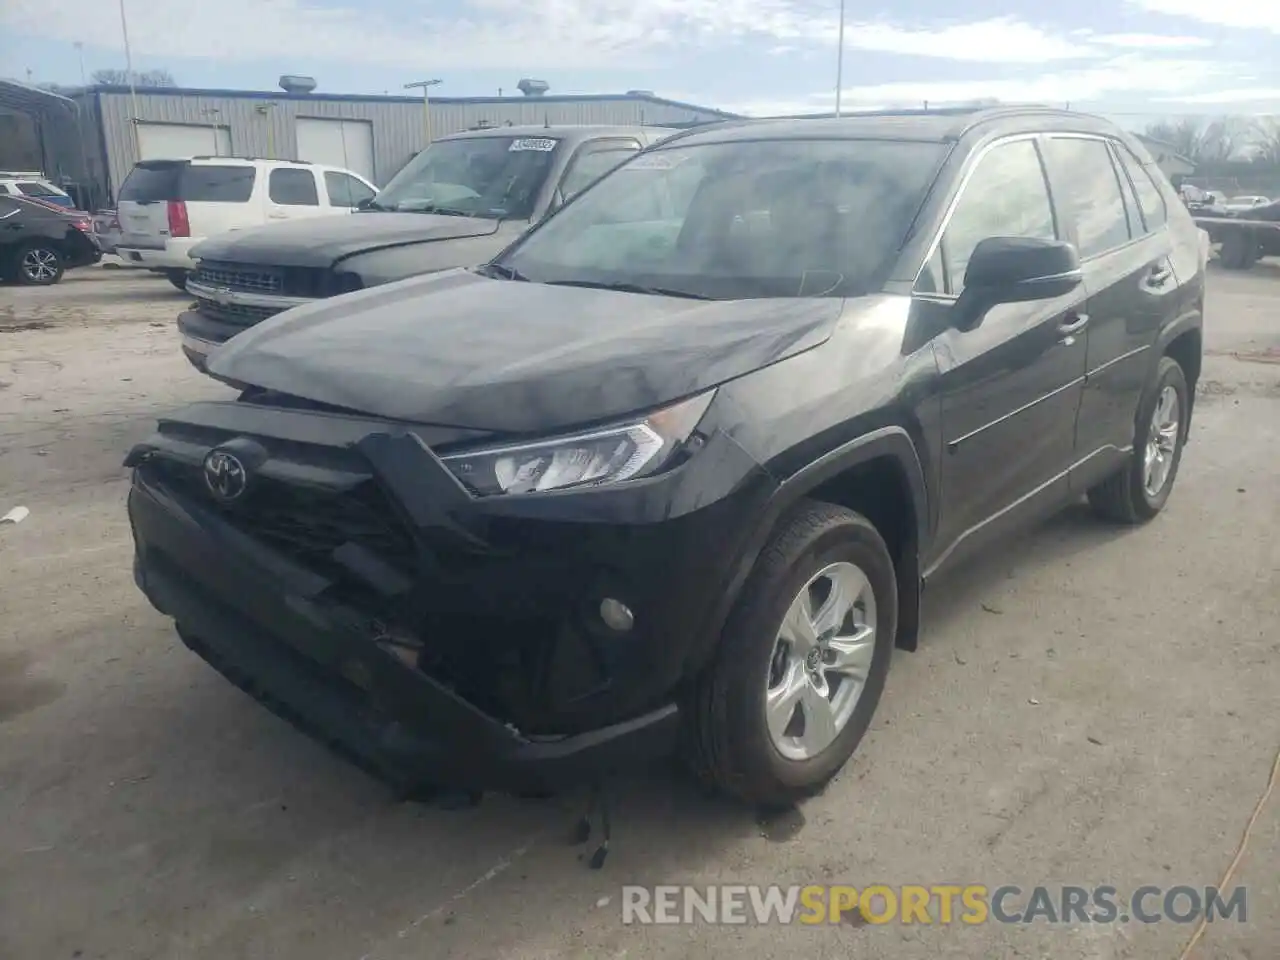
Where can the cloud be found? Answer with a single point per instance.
(1239, 95)
(1159, 78)
(494, 34)
(1150, 41)
(1245, 14)
(998, 40)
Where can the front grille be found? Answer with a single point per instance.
(241, 276)
(257, 278)
(238, 314)
(304, 523)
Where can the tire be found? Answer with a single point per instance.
(38, 265)
(1125, 497)
(1239, 250)
(178, 278)
(731, 746)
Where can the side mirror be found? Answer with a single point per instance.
(364, 204)
(1016, 270)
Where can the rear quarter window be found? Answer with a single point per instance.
(194, 183)
(201, 183)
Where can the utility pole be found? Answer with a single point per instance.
(133, 79)
(426, 86)
(839, 58)
(82, 132)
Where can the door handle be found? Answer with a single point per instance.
(275, 215)
(1073, 324)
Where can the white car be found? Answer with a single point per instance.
(166, 207)
(36, 187)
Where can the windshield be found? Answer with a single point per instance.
(476, 176)
(38, 190)
(783, 218)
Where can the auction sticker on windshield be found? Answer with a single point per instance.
(540, 144)
(664, 160)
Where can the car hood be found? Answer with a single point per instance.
(462, 350)
(323, 241)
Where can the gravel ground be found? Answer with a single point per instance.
(1088, 706)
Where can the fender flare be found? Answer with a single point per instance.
(892, 441)
(1185, 323)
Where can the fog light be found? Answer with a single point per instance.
(616, 615)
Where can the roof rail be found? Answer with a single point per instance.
(985, 114)
(683, 132)
(236, 156)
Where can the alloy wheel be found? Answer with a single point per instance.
(821, 660)
(1162, 441)
(40, 265)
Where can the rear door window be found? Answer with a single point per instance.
(1150, 199)
(345, 190)
(291, 187)
(1086, 187)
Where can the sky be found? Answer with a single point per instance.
(759, 57)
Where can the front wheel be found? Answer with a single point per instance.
(39, 265)
(802, 661)
(178, 278)
(1139, 491)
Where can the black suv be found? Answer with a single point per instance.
(670, 472)
(39, 242)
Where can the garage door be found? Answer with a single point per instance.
(339, 143)
(165, 141)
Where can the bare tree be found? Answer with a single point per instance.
(144, 78)
(1211, 141)
(1266, 140)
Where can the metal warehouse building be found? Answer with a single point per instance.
(93, 142)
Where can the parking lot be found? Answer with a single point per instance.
(1088, 706)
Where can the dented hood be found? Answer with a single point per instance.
(323, 241)
(464, 350)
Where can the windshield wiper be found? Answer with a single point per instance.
(443, 211)
(502, 271)
(624, 287)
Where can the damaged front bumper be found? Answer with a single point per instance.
(317, 641)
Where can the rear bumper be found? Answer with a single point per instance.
(174, 255)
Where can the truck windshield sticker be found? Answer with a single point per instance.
(541, 144)
(663, 160)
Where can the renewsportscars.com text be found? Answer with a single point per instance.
(928, 904)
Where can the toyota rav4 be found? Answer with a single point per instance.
(670, 472)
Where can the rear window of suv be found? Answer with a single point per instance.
(152, 182)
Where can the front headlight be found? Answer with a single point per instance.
(607, 455)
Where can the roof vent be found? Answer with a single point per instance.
(533, 88)
(292, 84)
(639, 93)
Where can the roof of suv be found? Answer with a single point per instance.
(571, 133)
(922, 125)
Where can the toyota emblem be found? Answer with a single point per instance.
(225, 476)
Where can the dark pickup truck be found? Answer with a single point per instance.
(456, 204)
(1245, 236)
